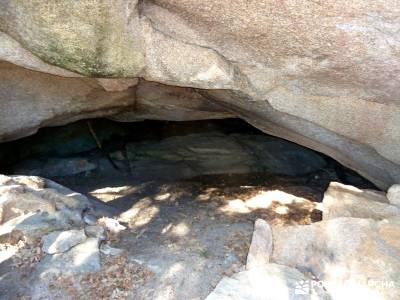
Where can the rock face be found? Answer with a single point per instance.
(54, 167)
(216, 153)
(43, 222)
(83, 258)
(349, 255)
(62, 241)
(261, 245)
(393, 194)
(31, 207)
(321, 74)
(348, 201)
(16, 201)
(270, 282)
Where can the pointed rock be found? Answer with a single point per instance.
(261, 245)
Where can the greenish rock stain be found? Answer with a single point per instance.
(90, 37)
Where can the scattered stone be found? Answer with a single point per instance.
(393, 194)
(269, 282)
(89, 219)
(261, 245)
(82, 258)
(354, 255)
(111, 225)
(62, 241)
(28, 210)
(108, 250)
(96, 231)
(347, 201)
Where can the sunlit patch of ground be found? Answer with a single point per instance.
(189, 234)
(182, 237)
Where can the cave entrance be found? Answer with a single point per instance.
(187, 192)
(117, 163)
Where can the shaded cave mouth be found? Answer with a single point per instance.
(120, 163)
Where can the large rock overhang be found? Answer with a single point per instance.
(324, 75)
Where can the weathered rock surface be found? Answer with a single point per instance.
(96, 231)
(54, 167)
(261, 245)
(112, 225)
(82, 258)
(30, 100)
(348, 201)
(16, 202)
(108, 250)
(62, 241)
(351, 256)
(216, 153)
(270, 282)
(32, 182)
(32, 207)
(393, 194)
(162, 102)
(322, 74)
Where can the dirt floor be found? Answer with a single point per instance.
(187, 235)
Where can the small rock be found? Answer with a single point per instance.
(108, 250)
(89, 219)
(261, 245)
(112, 225)
(96, 231)
(393, 194)
(62, 241)
(83, 258)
